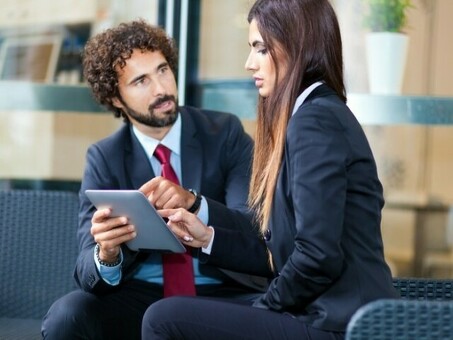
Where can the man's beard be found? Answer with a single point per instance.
(150, 118)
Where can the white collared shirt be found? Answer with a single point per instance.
(300, 100)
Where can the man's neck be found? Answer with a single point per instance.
(154, 132)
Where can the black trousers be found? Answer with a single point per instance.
(202, 318)
(82, 315)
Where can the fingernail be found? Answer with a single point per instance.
(188, 238)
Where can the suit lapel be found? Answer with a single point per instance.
(137, 166)
(191, 152)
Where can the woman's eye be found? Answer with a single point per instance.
(263, 51)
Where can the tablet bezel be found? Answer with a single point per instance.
(152, 231)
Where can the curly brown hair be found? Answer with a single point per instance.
(111, 48)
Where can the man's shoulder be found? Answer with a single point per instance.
(117, 136)
(115, 140)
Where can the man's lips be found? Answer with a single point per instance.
(165, 105)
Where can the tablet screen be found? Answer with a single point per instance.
(152, 231)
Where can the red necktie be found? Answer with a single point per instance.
(177, 268)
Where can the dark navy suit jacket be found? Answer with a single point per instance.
(215, 159)
(324, 231)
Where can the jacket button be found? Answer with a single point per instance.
(267, 235)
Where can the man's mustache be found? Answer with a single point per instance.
(160, 101)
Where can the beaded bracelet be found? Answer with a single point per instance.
(103, 263)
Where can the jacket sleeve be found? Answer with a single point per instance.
(96, 176)
(236, 162)
(239, 251)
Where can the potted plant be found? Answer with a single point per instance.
(386, 44)
(387, 15)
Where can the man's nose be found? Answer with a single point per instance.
(158, 88)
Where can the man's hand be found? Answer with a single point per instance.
(110, 232)
(164, 194)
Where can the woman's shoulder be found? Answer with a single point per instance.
(326, 109)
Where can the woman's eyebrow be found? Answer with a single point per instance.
(256, 43)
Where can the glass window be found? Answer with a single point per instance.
(48, 115)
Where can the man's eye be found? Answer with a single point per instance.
(140, 81)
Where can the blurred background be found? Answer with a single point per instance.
(49, 117)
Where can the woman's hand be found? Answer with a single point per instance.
(188, 227)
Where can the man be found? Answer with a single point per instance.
(131, 70)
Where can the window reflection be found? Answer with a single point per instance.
(41, 41)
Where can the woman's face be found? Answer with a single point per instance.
(260, 62)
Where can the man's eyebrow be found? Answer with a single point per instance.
(161, 65)
(140, 77)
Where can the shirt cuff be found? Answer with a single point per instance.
(203, 212)
(207, 250)
(111, 275)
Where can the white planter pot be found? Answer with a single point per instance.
(387, 55)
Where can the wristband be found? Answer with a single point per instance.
(103, 263)
(197, 202)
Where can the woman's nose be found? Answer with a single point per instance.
(249, 63)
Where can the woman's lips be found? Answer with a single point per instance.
(259, 82)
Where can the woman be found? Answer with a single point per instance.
(314, 188)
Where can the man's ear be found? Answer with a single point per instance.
(117, 103)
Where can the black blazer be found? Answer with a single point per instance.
(324, 231)
(215, 158)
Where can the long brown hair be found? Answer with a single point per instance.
(304, 36)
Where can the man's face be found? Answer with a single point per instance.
(148, 90)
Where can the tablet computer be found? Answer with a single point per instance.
(152, 231)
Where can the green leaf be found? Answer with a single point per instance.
(386, 15)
